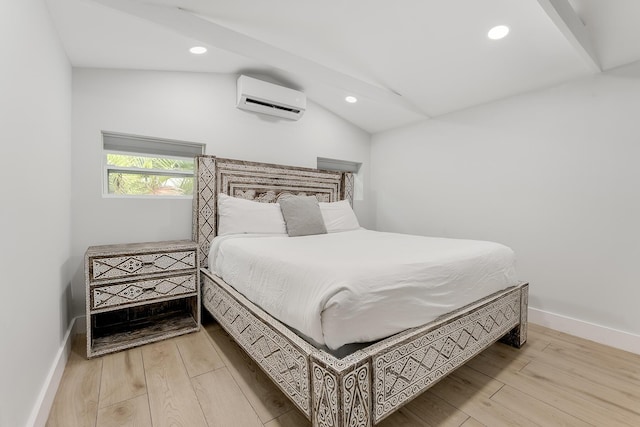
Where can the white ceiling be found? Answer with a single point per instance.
(405, 60)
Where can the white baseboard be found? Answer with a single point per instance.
(41, 409)
(600, 334)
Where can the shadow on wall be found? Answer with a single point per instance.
(66, 296)
(77, 304)
(631, 71)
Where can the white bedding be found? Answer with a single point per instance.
(359, 286)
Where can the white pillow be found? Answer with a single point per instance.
(237, 216)
(338, 216)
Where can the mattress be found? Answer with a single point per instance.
(359, 286)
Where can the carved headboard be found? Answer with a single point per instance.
(261, 182)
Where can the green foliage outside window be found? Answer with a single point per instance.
(128, 175)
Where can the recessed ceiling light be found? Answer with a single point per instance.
(198, 50)
(351, 99)
(498, 32)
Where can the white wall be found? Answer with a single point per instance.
(35, 112)
(554, 174)
(184, 106)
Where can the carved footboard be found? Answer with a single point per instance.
(370, 384)
(405, 366)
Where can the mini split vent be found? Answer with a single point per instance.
(267, 98)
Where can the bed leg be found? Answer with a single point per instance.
(514, 337)
(341, 398)
(518, 335)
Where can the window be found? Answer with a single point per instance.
(137, 166)
(338, 165)
(345, 166)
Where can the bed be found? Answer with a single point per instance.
(332, 387)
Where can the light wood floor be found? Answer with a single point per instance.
(204, 379)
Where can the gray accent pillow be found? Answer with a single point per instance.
(302, 215)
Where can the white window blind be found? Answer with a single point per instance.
(142, 166)
(153, 146)
(345, 166)
(338, 165)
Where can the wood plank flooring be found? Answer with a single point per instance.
(205, 379)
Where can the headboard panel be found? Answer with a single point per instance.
(262, 182)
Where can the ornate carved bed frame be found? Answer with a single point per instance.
(366, 386)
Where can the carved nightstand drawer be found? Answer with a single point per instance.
(142, 290)
(139, 293)
(135, 265)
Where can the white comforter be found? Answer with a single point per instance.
(360, 286)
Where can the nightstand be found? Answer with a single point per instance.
(140, 293)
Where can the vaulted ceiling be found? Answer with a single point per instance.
(405, 60)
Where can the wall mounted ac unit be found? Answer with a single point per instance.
(268, 98)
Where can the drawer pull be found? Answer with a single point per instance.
(147, 264)
(153, 288)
